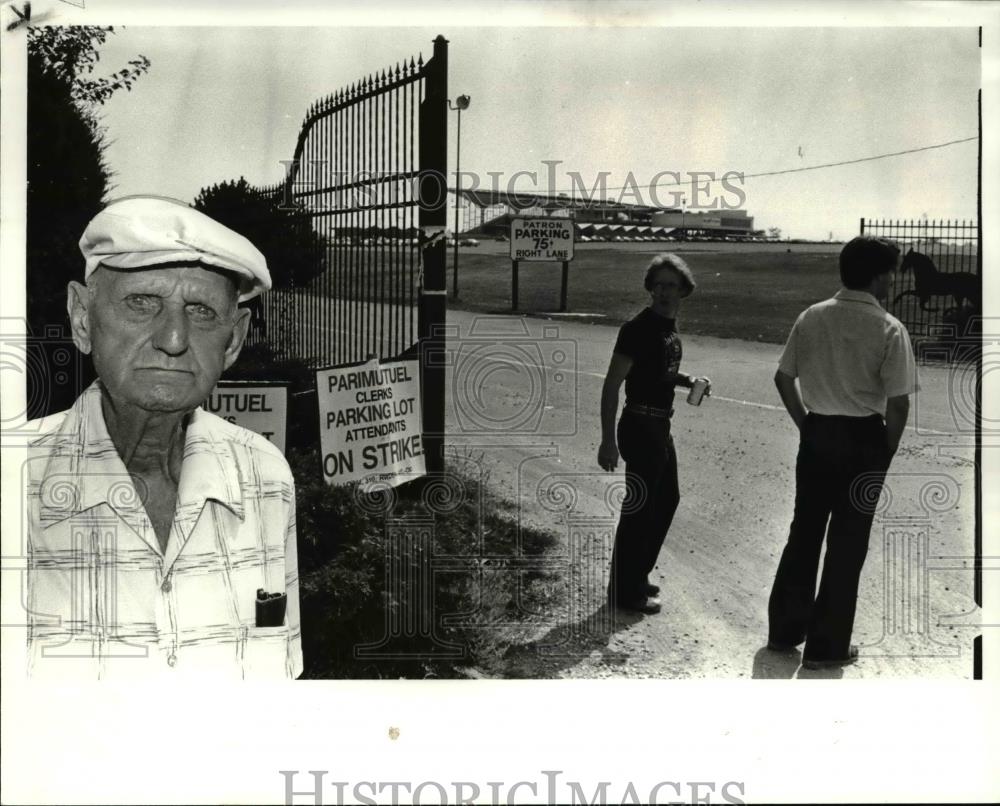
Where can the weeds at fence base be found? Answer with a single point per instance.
(361, 595)
(348, 601)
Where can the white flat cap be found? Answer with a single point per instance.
(137, 232)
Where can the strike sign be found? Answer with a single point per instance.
(257, 407)
(370, 423)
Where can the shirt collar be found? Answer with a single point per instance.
(211, 469)
(84, 468)
(659, 317)
(857, 296)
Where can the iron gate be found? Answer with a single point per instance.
(939, 283)
(368, 178)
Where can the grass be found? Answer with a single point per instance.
(741, 294)
(745, 291)
(456, 599)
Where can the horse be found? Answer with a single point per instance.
(928, 282)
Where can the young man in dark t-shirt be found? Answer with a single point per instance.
(647, 358)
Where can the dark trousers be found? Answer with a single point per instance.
(839, 474)
(651, 498)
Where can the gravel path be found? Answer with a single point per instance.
(525, 392)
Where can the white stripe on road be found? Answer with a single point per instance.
(752, 403)
(601, 375)
(767, 406)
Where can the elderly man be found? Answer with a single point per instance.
(855, 371)
(161, 538)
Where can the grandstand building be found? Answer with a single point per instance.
(488, 213)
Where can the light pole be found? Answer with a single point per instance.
(462, 102)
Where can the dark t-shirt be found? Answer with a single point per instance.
(653, 344)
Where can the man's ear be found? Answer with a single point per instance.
(78, 307)
(241, 327)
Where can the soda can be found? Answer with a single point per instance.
(697, 392)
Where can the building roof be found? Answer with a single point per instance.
(551, 201)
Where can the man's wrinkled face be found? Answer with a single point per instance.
(160, 337)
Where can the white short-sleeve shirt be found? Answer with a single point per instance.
(850, 355)
(105, 602)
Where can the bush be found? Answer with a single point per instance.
(67, 182)
(292, 248)
(346, 547)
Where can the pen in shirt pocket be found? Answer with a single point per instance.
(270, 608)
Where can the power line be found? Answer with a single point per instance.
(861, 159)
(797, 170)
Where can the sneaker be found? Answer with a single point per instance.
(652, 590)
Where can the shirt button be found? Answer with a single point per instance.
(167, 585)
(171, 660)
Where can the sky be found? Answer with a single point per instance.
(220, 103)
(225, 102)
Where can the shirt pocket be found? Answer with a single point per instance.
(265, 653)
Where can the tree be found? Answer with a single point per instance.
(69, 53)
(67, 181)
(292, 248)
(774, 233)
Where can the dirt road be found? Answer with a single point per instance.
(526, 393)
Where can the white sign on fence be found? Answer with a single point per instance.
(370, 423)
(541, 239)
(256, 407)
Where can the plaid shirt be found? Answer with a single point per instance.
(104, 601)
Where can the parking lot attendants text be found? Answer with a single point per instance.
(370, 423)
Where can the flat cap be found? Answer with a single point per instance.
(138, 232)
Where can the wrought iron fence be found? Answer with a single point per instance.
(359, 176)
(938, 286)
(367, 180)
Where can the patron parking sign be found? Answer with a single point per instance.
(541, 239)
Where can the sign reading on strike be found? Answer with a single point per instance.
(541, 239)
(259, 408)
(369, 423)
